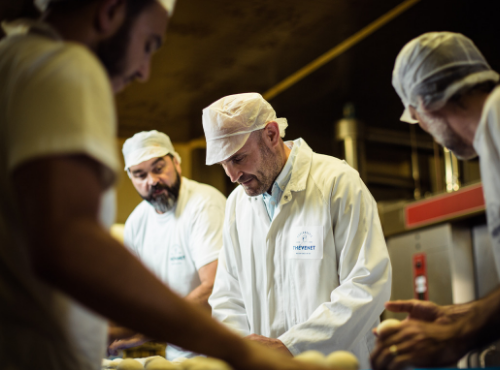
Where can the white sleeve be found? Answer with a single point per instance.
(65, 108)
(206, 234)
(227, 304)
(364, 274)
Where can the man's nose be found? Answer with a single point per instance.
(233, 173)
(152, 179)
(144, 70)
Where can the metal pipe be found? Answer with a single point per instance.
(338, 50)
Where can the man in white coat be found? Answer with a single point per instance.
(447, 86)
(177, 229)
(304, 265)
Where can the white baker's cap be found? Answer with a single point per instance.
(229, 122)
(146, 145)
(435, 66)
(43, 4)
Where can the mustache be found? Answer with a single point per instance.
(159, 187)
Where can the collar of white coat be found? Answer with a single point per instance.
(23, 26)
(301, 168)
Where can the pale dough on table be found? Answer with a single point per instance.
(204, 363)
(342, 360)
(312, 357)
(161, 364)
(130, 364)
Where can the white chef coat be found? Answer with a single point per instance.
(55, 99)
(487, 145)
(316, 276)
(176, 244)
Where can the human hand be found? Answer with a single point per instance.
(419, 344)
(133, 341)
(270, 343)
(422, 310)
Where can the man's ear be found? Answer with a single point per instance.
(272, 132)
(110, 16)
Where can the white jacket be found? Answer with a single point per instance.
(317, 276)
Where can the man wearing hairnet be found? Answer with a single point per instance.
(447, 86)
(304, 264)
(60, 270)
(177, 230)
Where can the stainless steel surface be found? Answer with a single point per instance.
(450, 274)
(484, 261)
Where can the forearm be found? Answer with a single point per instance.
(200, 295)
(481, 323)
(99, 272)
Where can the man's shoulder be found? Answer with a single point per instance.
(139, 212)
(200, 192)
(328, 168)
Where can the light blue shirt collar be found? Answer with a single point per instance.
(271, 201)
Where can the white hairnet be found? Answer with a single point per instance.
(229, 122)
(43, 4)
(435, 66)
(146, 145)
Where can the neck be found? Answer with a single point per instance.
(464, 117)
(284, 153)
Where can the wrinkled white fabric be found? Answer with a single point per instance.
(431, 59)
(487, 145)
(326, 300)
(55, 100)
(176, 244)
(230, 120)
(43, 4)
(146, 145)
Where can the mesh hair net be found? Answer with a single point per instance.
(43, 4)
(229, 122)
(146, 145)
(435, 66)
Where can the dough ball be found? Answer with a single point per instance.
(147, 360)
(129, 364)
(387, 324)
(312, 357)
(179, 360)
(113, 364)
(205, 363)
(161, 364)
(342, 360)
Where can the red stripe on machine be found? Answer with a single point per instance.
(467, 200)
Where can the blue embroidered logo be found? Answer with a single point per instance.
(304, 239)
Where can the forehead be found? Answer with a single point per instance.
(152, 20)
(147, 164)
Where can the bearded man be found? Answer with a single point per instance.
(177, 230)
(61, 272)
(304, 264)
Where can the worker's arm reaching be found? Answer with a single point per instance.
(71, 251)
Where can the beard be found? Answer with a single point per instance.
(270, 168)
(443, 134)
(113, 51)
(164, 202)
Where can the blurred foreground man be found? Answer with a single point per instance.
(177, 230)
(447, 86)
(60, 270)
(304, 264)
